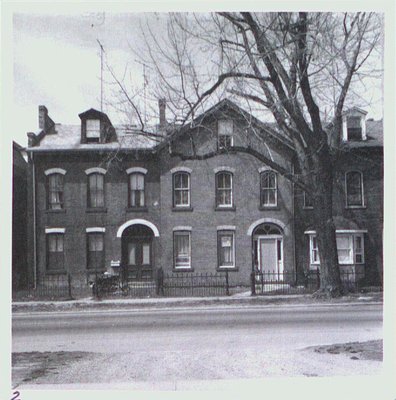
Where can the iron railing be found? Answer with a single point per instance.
(272, 282)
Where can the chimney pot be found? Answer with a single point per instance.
(162, 112)
(43, 113)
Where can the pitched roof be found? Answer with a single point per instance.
(68, 137)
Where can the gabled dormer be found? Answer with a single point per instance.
(354, 125)
(96, 127)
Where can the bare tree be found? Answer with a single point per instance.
(299, 68)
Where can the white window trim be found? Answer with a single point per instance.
(139, 170)
(95, 170)
(55, 230)
(94, 133)
(225, 169)
(184, 266)
(95, 230)
(275, 204)
(189, 189)
(232, 190)
(363, 205)
(232, 233)
(181, 169)
(182, 228)
(55, 171)
(226, 228)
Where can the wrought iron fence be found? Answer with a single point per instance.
(194, 284)
(272, 282)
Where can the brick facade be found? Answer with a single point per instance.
(62, 148)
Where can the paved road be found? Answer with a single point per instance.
(200, 343)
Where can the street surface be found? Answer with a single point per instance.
(199, 344)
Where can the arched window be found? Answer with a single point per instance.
(136, 190)
(268, 189)
(95, 193)
(224, 195)
(181, 189)
(55, 191)
(354, 189)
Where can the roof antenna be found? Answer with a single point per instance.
(101, 74)
(144, 88)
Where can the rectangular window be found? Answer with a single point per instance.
(55, 258)
(224, 189)
(95, 190)
(225, 249)
(354, 128)
(182, 249)
(269, 192)
(92, 129)
(55, 192)
(225, 134)
(95, 251)
(136, 190)
(354, 189)
(307, 200)
(350, 248)
(181, 189)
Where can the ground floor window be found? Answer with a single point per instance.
(182, 249)
(95, 251)
(225, 249)
(350, 248)
(55, 256)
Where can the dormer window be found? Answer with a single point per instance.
(93, 130)
(225, 133)
(354, 125)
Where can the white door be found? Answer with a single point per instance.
(270, 255)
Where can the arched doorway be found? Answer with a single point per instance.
(268, 248)
(137, 252)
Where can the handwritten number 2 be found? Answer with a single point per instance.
(16, 395)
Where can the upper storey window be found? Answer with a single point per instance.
(354, 125)
(225, 134)
(55, 188)
(93, 130)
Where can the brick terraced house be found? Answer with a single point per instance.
(107, 198)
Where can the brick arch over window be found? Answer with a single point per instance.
(138, 221)
(274, 221)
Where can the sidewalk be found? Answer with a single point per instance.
(240, 299)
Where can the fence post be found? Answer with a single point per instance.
(317, 279)
(160, 281)
(253, 283)
(227, 285)
(69, 285)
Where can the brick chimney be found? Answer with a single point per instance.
(162, 110)
(45, 122)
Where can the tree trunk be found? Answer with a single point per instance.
(330, 279)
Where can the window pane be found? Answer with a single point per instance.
(93, 128)
(132, 253)
(182, 249)
(225, 127)
(226, 246)
(354, 189)
(146, 254)
(55, 191)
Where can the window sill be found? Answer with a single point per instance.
(233, 208)
(56, 272)
(60, 211)
(137, 209)
(187, 208)
(355, 207)
(265, 208)
(96, 210)
(184, 269)
(224, 269)
(307, 208)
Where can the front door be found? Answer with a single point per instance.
(270, 255)
(138, 258)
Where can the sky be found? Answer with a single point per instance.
(56, 63)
